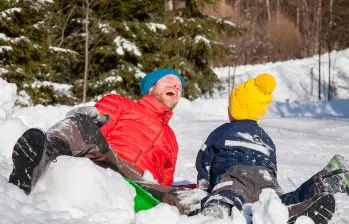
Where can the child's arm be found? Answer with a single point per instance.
(204, 161)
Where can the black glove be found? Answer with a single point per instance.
(203, 184)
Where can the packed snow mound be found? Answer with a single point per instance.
(72, 189)
(10, 131)
(90, 189)
(269, 209)
(304, 220)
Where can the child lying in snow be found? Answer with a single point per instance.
(238, 160)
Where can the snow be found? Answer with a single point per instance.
(304, 220)
(123, 44)
(229, 23)
(65, 197)
(224, 21)
(3, 37)
(179, 19)
(105, 28)
(148, 176)
(266, 175)
(8, 93)
(294, 79)
(75, 191)
(269, 209)
(23, 98)
(13, 40)
(156, 26)
(6, 13)
(202, 38)
(139, 73)
(126, 27)
(3, 71)
(38, 24)
(5, 48)
(113, 79)
(62, 50)
(61, 89)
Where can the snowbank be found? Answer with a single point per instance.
(217, 109)
(297, 80)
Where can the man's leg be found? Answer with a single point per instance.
(33, 152)
(166, 194)
(332, 179)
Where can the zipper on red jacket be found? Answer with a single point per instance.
(153, 142)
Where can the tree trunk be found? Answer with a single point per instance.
(318, 26)
(277, 10)
(87, 9)
(237, 7)
(169, 6)
(318, 30)
(298, 15)
(306, 28)
(329, 43)
(268, 10)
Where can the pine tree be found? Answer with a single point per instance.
(127, 39)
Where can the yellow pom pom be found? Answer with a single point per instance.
(265, 83)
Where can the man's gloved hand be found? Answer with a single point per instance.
(203, 184)
(91, 113)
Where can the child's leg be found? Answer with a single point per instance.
(319, 208)
(334, 178)
(238, 186)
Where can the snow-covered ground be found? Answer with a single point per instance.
(306, 134)
(298, 79)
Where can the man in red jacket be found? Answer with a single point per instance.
(129, 137)
(139, 132)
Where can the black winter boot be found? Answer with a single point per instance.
(319, 208)
(28, 153)
(334, 178)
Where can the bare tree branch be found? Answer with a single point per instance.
(65, 25)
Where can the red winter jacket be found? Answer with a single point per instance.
(139, 133)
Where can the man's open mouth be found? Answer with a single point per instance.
(170, 93)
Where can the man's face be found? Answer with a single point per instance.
(167, 90)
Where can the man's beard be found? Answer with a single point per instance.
(161, 99)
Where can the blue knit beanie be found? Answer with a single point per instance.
(151, 78)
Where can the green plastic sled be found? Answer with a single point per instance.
(143, 200)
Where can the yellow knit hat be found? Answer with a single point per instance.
(250, 100)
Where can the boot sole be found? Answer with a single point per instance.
(321, 211)
(27, 154)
